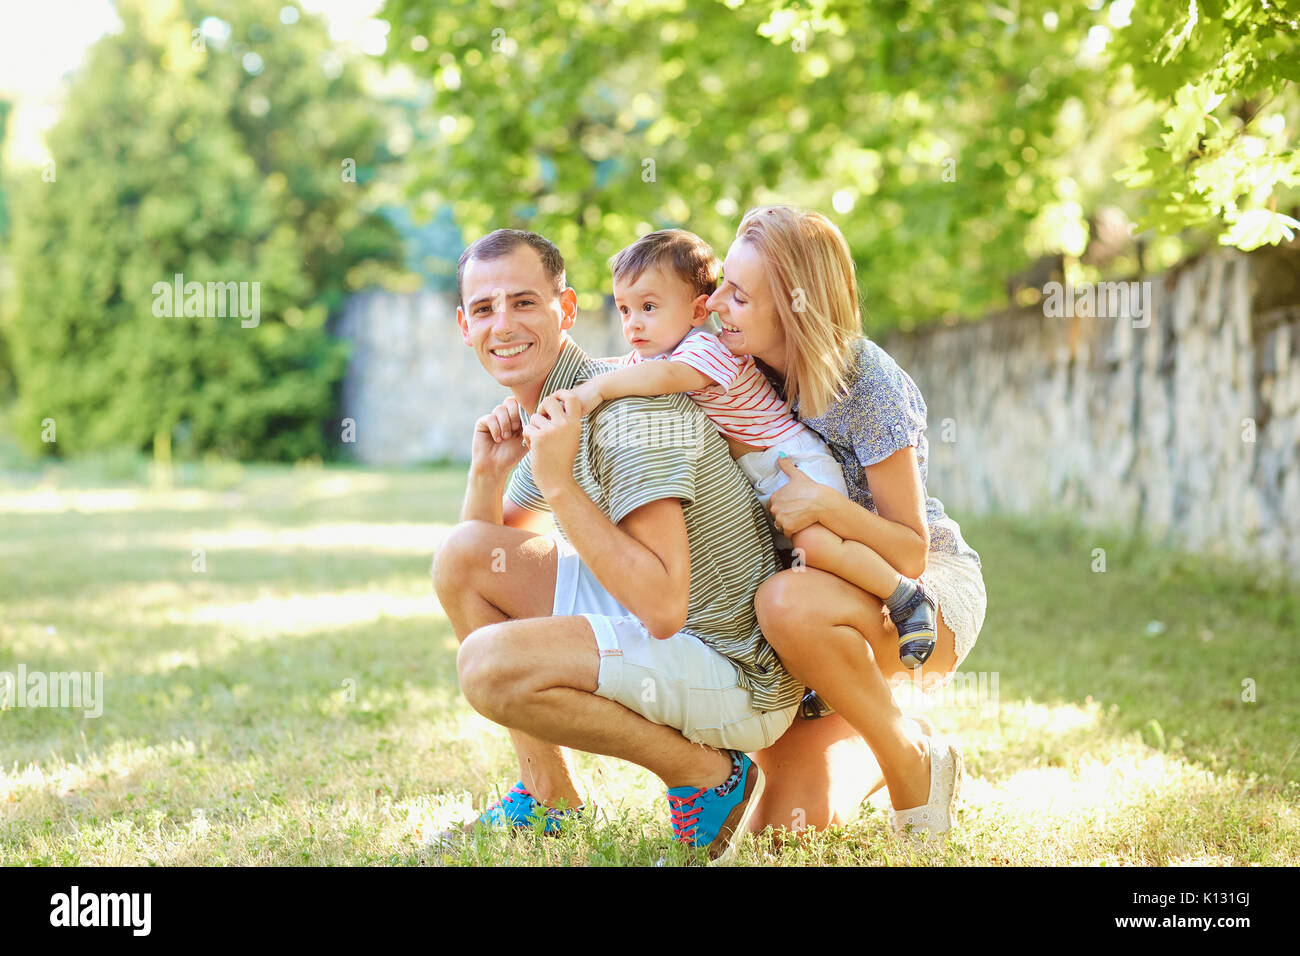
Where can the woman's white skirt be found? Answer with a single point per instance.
(956, 584)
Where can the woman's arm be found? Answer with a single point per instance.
(898, 531)
(644, 378)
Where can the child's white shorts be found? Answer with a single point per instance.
(812, 456)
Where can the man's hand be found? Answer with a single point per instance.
(798, 503)
(498, 442)
(553, 433)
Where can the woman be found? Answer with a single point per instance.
(789, 299)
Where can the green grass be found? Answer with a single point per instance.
(296, 701)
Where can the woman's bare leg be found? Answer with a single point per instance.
(834, 637)
(818, 774)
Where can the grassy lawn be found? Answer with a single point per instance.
(280, 687)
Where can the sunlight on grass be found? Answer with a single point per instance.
(396, 538)
(304, 614)
(57, 777)
(296, 701)
(53, 501)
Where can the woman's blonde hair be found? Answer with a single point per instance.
(814, 285)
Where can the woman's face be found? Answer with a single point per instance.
(750, 323)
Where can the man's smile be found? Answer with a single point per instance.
(510, 351)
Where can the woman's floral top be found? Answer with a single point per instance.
(881, 412)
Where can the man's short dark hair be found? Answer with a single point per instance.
(677, 252)
(502, 242)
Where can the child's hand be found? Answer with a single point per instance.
(588, 393)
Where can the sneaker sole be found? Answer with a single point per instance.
(738, 832)
(455, 837)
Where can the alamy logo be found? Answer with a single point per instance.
(215, 301)
(1113, 300)
(54, 689)
(103, 909)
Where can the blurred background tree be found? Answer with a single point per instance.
(6, 363)
(969, 149)
(226, 141)
(954, 142)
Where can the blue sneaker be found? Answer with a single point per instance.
(517, 812)
(519, 809)
(716, 818)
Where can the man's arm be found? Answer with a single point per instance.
(644, 561)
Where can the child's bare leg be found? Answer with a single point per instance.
(853, 561)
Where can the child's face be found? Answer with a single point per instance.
(658, 311)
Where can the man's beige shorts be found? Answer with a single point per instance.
(680, 682)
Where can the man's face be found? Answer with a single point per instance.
(513, 318)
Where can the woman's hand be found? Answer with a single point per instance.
(798, 503)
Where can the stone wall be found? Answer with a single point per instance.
(413, 388)
(1184, 423)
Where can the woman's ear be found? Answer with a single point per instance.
(700, 315)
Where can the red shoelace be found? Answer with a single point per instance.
(684, 811)
(509, 797)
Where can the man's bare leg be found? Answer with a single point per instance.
(540, 675)
(487, 573)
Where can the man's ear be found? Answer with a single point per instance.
(568, 308)
(464, 325)
(700, 315)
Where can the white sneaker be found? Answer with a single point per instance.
(934, 818)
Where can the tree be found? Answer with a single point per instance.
(6, 366)
(215, 142)
(1225, 74)
(953, 142)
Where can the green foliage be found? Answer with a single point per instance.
(1225, 74)
(216, 155)
(953, 142)
(5, 108)
(6, 363)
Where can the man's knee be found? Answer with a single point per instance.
(487, 671)
(460, 555)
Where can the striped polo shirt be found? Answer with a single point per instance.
(636, 450)
(742, 403)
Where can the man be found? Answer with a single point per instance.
(632, 633)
